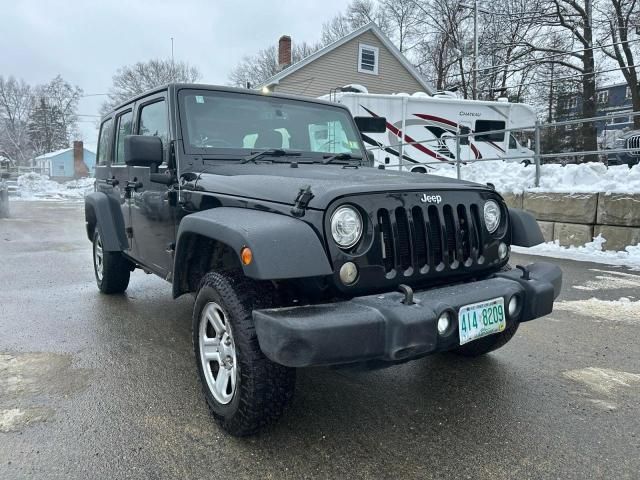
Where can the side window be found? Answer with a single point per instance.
(512, 142)
(123, 129)
(488, 126)
(103, 142)
(154, 121)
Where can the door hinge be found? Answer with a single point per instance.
(302, 201)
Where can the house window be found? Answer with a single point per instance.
(368, 59)
(603, 96)
(568, 103)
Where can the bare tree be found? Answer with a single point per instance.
(254, 70)
(132, 80)
(357, 14)
(443, 55)
(62, 97)
(620, 18)
(402, 21)
(16, 103)
(575, 20)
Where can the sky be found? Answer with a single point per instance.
(86, 41)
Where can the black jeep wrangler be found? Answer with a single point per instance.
(266, 209)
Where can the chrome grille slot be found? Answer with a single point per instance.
(634, 145)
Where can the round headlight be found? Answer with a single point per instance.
(346, 226)
(491, 215)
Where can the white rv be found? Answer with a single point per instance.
(429, 125)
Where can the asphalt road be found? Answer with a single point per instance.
(93, 386)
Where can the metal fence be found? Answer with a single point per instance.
(537, 134)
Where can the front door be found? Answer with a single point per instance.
(152, 213)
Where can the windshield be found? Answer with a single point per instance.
(226, 123)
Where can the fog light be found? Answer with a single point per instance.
(513, 306)
(443, 323)
(503, 250)
(348, 273)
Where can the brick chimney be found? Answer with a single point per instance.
(79, 167)
(284, 52)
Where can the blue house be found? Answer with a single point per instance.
(68, 163)
(614, 101)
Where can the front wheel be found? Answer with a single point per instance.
(112, 270)
(245, 390)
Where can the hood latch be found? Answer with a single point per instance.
(302, 201)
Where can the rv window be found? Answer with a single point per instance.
(512, 143)
(488, 126)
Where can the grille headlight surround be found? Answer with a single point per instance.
(346, 226)
(492, 215)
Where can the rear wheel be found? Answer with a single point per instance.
(112, 270)
(245, 390)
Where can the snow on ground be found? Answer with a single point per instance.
(512, 177)
(590, 252)
(33, 186)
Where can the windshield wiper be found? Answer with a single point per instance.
(341, 156)
(274, 152)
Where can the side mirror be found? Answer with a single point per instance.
(143, 151)
(371, 124)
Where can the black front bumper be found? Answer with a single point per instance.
(381, 327)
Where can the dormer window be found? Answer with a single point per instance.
(368, 59)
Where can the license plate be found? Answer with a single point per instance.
(481, 319)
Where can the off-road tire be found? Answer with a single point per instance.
(116, 269)
(490, 343)
(263, 388)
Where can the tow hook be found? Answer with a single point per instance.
(408, 294)
(525, 272)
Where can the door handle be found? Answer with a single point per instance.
(113, 181)
(133, 186)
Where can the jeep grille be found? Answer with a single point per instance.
(430, 238)
(634, 145)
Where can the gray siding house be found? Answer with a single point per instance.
(365, 57)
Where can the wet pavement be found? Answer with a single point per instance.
(95, 386)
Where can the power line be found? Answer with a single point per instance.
(569, 77)
(537, 60)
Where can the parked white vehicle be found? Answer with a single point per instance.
(429, 125)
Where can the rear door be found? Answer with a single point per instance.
(152, 215)
(123, 125)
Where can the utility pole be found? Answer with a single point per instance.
(474, 90)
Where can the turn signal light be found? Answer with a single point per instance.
(246, 255)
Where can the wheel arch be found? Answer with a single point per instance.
(103, 212)
(283, 247)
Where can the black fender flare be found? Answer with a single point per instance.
(283, 247)
(104, 211)
(525, 231)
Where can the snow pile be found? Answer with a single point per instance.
(33, 186)
(590, 252)
(513, 177)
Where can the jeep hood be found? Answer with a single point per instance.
(281, 183)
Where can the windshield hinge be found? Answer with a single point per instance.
(302, 201)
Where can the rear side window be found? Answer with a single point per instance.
(123, 129)
(488, 126)
(103, 141)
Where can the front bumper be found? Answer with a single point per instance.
(381, 327)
